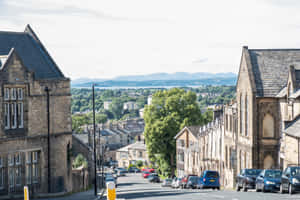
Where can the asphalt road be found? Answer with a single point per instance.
(133, 186)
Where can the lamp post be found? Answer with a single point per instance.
(47, 90)
(94, 129)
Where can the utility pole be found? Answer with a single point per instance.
(95, 158)
(48, 139)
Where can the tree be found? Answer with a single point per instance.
(170, 111)
(78, 121)
(79, 161)
(116, 107)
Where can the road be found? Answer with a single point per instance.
(133, 186)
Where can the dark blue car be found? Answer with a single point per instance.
(209, 179)
(268, 180)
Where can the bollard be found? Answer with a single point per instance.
(26, 193)
(111, 191)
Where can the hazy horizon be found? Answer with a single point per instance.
(105, 39)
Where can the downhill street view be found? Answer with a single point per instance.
(140, 99)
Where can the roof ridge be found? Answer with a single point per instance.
(13, 32)
(276, 49)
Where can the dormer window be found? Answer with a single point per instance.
(13, 108)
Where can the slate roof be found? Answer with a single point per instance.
(293, 129)
(136, 145)
(194, 130)
(270, 68)
(32, 53)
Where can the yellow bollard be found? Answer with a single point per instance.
(26, 194)
(111, 191)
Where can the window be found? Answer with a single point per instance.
(241, 114)
(20, 115)
(32, 167)
(246, 115)
(6, 94)
(11, 177)
(13, 108)
(10, 160)
(141, 154)
(20, 94)
(13, 94)
(6, 116)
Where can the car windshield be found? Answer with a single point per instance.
(193, 178)
(273, 174)
(109, 179)
(212, 174)
(252, 172)
(295, 171)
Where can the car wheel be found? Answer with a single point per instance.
(263, 189)
(244, 187)
(281, 189)
(237, 188)
(218, 188)
(256, 188)
(291, 189)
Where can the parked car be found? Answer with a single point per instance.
(268, 180)
(153, 178)
(121, 173)
(111, 179)
(134, 170)
(192, 182)
(175, 182)
(167, 182)
(183, 182)
(145, 174)
(246, 179)
(209, 179)
(290, 180)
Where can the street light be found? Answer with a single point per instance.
(47, 90)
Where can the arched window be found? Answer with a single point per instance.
(241, 114)
(268, 162)
(246, 115)
(268, 126)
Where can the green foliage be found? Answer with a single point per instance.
(79, 161)
(169, 112)
(116, 108)
(78, 121)
(139, 163)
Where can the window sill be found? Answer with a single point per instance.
(15, 132)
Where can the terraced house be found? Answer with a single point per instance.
(26, 69)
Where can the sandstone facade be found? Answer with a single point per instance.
(26, 69)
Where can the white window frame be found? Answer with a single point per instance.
(20, 93)
(14, 112)
(6, 93)
(20, 114)
(10, 160)
(7, 115)
(18, 159)
(13, 94)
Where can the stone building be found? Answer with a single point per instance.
(132, 153)
(230, 145)
(26, 69)
(267, 100)
(199, 148)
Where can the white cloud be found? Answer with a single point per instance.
(93, 38)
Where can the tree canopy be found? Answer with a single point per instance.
(170, 111)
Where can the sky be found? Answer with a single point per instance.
(108, 38)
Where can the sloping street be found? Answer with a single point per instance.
(133, 186)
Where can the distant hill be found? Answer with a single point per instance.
(178, 79)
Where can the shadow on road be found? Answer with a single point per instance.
(135, 195)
